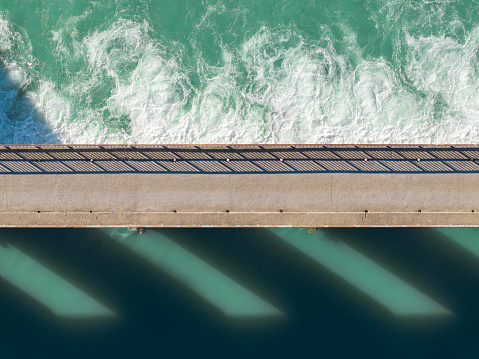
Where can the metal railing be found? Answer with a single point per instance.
(234, 159)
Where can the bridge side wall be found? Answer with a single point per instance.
(293, 199)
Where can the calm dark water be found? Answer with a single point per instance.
(184, 296)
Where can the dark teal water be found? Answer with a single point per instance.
(153, 308)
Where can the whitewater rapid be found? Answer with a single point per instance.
(126, 83)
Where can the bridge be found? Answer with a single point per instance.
(238, 185)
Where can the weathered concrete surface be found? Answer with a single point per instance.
(266, 199)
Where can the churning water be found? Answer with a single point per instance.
(162, 71)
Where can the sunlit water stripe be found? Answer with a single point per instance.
(230, 297)
(467, 238)
(48, 288)
(361, 272)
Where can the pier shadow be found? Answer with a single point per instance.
(157, 315)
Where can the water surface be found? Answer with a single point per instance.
(243, 71)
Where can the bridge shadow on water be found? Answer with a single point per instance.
(158, 314)
(20, 120)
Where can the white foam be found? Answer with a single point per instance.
(7, 36)
(443, 67)
(20, 121)
(317, 97)
(277, 87)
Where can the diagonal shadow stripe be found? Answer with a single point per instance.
(229, 159)
(384, 287)
(54, 292)
(467, 238)
(208, 282)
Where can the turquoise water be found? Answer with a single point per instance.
(370, 71)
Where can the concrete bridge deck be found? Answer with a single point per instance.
(238, 186)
